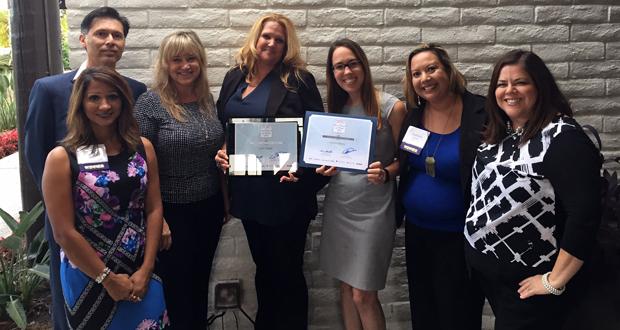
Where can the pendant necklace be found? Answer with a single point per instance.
(201, 119)
(429, 161)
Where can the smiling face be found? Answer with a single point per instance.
(102, 104)
(428, 77)
(516, 94)
(104, 42)
(271, 43)
(348, 70)
(184, 69)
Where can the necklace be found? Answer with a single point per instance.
(510, 131)
(200, 118)
(429, 161)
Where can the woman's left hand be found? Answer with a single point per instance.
(376, 173)
(140, 281)
(166, 237)
(290, 178)
(531, 286)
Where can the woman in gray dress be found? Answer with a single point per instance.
(358, 229)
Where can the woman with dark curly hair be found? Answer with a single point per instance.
(535, 205)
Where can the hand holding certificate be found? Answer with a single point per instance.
(343, 141)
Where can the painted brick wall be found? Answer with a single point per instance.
(579, 40)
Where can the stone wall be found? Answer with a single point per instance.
(579, 40)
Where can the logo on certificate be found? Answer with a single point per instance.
(339, 127)
(266, 131)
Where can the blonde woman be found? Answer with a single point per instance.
(270, 80)
(178, 115)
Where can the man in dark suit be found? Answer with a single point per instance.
(103, 33)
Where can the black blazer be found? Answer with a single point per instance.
(263, 198)
(472, 123)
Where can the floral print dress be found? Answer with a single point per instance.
(109, 213)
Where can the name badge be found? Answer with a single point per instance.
(91, 158)
(414, 140)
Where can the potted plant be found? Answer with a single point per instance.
(24, 266)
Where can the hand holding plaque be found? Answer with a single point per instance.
(343, 141)
(259, 146)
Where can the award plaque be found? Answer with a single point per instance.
(258, 146)
(344, 141)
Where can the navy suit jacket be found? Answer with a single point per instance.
(47, 115)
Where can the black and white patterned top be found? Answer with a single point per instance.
(185, 150)
(526, 202)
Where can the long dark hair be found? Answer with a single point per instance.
(549, 103)
(456, 79)
(336, 96)
(79, 130)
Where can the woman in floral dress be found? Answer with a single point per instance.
(101, 189)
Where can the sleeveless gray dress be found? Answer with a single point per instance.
(358, 218)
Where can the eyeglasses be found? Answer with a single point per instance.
(352, 65)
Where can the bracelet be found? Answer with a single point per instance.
(386, 177)
(101, 277)
(551, 289)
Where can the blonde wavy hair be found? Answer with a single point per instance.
(292, 62)
(174, 44)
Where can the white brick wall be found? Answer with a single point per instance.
(579, 39)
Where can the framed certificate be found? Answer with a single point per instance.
(344, 141)
(258, 146)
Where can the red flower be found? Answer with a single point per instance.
(8, 142)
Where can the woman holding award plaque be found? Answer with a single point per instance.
(178, 115)
(439, 140)
(358, 225)
(270, 80)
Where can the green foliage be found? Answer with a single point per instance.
(8, 119)
(64, 33)
(23, 265)
(16, 311)
(5, 37)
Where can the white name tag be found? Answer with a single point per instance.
(92, 159)
(414, 140)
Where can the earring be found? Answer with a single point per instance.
(508, 127)
(418, 100)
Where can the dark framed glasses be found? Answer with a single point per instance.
(352, 65)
